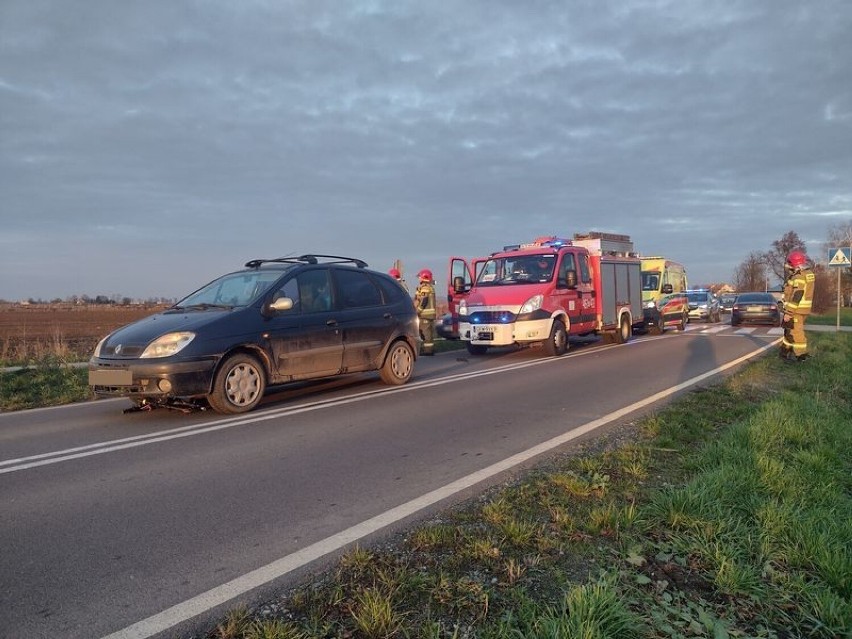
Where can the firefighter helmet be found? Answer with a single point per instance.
(425, 274)
(797, 259)
(394, 273)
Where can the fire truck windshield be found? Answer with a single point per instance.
(517, 269)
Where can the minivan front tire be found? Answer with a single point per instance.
(238, 386)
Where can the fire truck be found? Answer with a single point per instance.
(541, 292)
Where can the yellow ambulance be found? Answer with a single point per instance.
(664, 301)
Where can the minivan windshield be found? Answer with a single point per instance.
(517, 269)
(232, 290)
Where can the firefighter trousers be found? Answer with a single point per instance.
(794, 341)
(427, 334)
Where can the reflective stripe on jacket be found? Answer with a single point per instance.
(799, 292)
(424, 301)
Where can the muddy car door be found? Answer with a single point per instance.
(306, 340)
(367, 323)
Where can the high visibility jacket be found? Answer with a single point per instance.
(799, 292)
(424, 301)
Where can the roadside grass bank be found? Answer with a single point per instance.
(829, 318)
(726, 514)
(48, 381)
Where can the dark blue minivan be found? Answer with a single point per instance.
(273, 322)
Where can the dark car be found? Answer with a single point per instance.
(726, 301)
(444, 327)
(273, 322)
(703, 305)
(755, 308)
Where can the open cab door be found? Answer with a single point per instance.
(461, 276)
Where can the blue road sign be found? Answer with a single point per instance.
(840, 257)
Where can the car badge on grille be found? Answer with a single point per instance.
(118, 349)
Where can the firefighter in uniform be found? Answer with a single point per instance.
(395, 274)
(798, 295)
(427, 311)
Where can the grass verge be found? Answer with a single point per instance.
(727, 514)
(829, 318)
(48, 381)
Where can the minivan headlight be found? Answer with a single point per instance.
(168, 344)
(98, 348)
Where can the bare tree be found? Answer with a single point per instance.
(825, 289)
(776, 257)
(840, 235)
(750, 275)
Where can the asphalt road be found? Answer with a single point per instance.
(131, 525)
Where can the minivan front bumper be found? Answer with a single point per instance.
(156, 380)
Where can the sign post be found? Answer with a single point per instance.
(839, 257)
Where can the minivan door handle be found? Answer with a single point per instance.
(387, 316)
(331, 322)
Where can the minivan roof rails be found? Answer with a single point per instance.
(308, 259)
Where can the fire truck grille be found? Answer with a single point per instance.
(492, 317)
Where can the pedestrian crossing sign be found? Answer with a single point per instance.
(840, 257)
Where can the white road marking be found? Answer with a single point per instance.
(221, 594)
(745, 331)
(100, 448)
(715, 329)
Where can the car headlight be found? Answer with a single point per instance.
(168, 344)
(704, 306)
(651, 304)
(532, 304)
(462, 307)
(97, 352)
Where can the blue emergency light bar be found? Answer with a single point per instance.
(556, 243)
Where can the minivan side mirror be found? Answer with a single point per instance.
(281, 304)
(667, 289)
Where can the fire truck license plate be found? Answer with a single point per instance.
(485, 335)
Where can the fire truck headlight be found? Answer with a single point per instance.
(532, 304)
(462, 307)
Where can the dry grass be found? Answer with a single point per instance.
(63, 331)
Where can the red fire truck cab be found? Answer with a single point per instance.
(544, 291)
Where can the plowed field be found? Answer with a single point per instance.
(40, 330)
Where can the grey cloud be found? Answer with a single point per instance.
(177, 139)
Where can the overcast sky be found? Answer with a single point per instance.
(149, 146)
